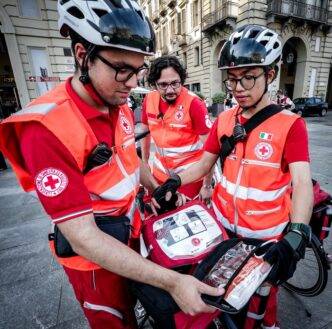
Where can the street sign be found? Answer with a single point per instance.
(37, 78)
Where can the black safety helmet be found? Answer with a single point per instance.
(250, 45)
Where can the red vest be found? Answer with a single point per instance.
(253, 196)
(177, 144)
(112, 186)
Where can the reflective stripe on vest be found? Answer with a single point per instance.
(252, 198)
(177, 144)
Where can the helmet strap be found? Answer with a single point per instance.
(84, 78)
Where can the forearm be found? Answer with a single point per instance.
(146, 178)
(302, 196)
(104, 250)
(207, 181)
(145, 146)
(199, 169)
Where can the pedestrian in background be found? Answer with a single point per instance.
(284, 101)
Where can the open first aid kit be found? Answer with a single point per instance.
(237, 266)
(183, 236)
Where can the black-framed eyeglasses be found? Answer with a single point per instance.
(247, 82)
(125, 72)
(164, 85)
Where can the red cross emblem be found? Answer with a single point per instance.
(126, 126)
(51, 182)
(179, 115)
(263, 151)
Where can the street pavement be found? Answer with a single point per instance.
(34, 292)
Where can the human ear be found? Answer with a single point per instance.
(80, 53)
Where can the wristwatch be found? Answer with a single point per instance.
(303, 229)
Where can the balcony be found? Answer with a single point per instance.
(162, 8)
(297, 10)
(155, 17)
(226, 14)
(171, 3)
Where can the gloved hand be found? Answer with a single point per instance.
(165, 194)
(284, 256)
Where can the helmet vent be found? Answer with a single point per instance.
(116, 3)
(74, 11)
(62, 2)
(263, 42)
(269, 34)
(236, 40)
(253, 34)
(100, 12)
(276, 45)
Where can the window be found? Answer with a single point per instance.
(195, 13)
(173, 27)
(183, 21)
(178, 23)
(29, 8)
(196, 87)
(196, 54)
(185, 60)
(67, 52)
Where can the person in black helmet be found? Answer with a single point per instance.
(253, 197)
(75, 147)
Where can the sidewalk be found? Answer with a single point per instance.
(34, 292)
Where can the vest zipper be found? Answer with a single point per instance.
(261, 163)
(236, 214)
(262, 212)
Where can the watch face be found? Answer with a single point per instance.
(303, 228)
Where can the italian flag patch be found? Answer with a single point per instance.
(265, 136)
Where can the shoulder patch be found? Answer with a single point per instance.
(51, 182)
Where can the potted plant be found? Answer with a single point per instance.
(218, 103)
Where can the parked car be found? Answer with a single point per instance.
(310, 105)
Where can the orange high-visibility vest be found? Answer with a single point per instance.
(177, 144)
(253, 197)
(112, 186)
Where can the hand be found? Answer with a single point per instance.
(164, 197)
(187, 291)
(284, 256)
(205, 193)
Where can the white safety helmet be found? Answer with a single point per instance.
(108, 23)
(250, 45)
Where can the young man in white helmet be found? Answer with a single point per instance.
(253, 196)
(75, 147)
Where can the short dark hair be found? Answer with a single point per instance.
(162, 63)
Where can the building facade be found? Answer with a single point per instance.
(195, 30)
(33, 55)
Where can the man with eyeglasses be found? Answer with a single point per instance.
(179, 123)
(75, 146)
(253, 197)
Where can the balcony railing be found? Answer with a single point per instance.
(298, 9)
(229, 9)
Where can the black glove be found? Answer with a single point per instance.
(284, 256)
(159, 194)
